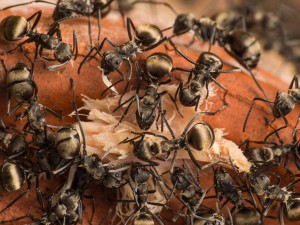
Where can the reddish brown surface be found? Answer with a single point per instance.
(54, 92)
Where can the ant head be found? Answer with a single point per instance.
(210, 62)
(181, 178)
(296, 95)
(111, 62)
(184, 22)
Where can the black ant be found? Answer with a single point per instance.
(224, 184)
(192, 194)
(207, 68)
(62, 51)
(286, 198)
(158, 65)
(200, 137)
(283, 104)
(272, 155)
(146, 37)
(138, 181)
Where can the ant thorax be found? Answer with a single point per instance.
(128, 49)
(48, 42)
(276, 193)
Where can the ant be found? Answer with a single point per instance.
(158, 65)
(192, 194)
(285, 197)
(283, 104)
(224, 184)
(275, 152)
(200, 137)
(138, 181)
(207, 68)
(62, 51)
(146, 37)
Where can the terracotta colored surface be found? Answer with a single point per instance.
(54, 92)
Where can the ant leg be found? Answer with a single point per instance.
(292, 184)
(285, 166)
(39, 194)
(75, 45)
(77, 117)
(123, 103)
(27, 3)
(11, 112)
(38, 15)
(19, 218)
(295, 130)
(156, 3)
(155, 45)
(132, 99)
(128, 78)
(31, 39)
(53, 112)
(99, 25)
(86, 57)
(248, 114)
(286, 124)
(105, 216)
(131, 215)
(191, 42)
(18, 198)
(179, 90)
(181, 53)
(249, 70)
(212, 37)
(107, 40)
(224, 96)
(294, 81)
(281, 221)
(129, 25)
(90, 30)
(155, 217)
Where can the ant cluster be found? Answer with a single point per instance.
(59, 151)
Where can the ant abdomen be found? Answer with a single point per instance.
(13, 28)
(67, 142)
(201, 136)
(18, 81)
(148, 34)
(12, 176)
(158, 65)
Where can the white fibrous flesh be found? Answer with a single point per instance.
(103, 132)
